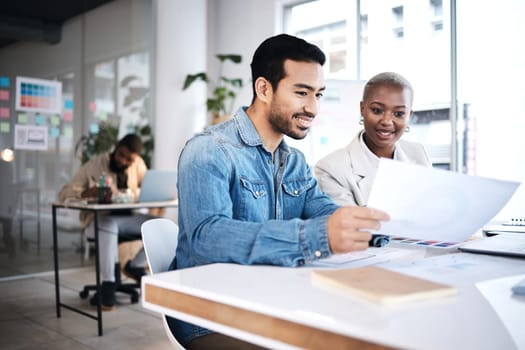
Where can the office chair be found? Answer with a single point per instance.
(127, 288)
(160, 237)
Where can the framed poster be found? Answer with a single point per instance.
(38, 95)
(32, 137)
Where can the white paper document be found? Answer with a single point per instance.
(509, 308)
(373, 255)
(435, 204)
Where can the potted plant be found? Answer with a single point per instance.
(96, 142)
(107, 136)
(223, 90)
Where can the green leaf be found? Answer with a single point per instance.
(191, 78)
(222, 90)
(231, 57)
(214, 105)
(233, 82)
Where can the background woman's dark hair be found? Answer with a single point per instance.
(268, 59)
(132, 142)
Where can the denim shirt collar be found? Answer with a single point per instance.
(249, 134)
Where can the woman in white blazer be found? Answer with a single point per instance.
(348, 173)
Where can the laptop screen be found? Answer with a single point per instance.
(158, 185)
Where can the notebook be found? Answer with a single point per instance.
(158, 186)
(502, 244)
(381, 285)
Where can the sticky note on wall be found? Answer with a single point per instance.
(4, 82)
(22, 118)
(5, 127)
(4, 112)
(4, 95)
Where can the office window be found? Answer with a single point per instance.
(363, 26)
(490, 76)
(118, 93)
(100, 95)
(436, 15)
(488, 129)
(330, 24)
(437, 8)
(422, 57)
(133, 88)
(398, 18)
(326, 24)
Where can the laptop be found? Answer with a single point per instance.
(512, 226)
(502, 244)
(158, 186)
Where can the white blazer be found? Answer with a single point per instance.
(347, 174)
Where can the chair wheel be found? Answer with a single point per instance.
(134, 299)
(84, 294)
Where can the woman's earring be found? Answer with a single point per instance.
(407, 129)
(361, 121)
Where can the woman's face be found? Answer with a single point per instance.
(385, 112)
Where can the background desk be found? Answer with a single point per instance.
(280, 308)
(96, 209)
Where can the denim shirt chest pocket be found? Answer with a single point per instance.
(294, 196)
(254, 198)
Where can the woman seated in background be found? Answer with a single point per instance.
(347, 174)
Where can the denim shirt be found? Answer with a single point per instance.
(237, 205)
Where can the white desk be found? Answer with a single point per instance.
(96, 209)
(281, 309)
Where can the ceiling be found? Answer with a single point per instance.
(39, 20)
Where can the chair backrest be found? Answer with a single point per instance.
(160, 237)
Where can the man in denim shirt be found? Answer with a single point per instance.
(246, 197)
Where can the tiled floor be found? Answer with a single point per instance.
(27, 300)
(28, 317)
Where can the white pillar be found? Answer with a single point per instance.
(179, 49)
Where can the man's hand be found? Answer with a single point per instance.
(348, 228)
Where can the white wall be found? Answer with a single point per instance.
(238, 27)
(180, 48)
(187, 43)
(117, 28)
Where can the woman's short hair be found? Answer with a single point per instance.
(387, 78)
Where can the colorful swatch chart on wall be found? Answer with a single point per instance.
(5, 111)
(38, 95)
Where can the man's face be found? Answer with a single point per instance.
(122, 157)
(295, 102)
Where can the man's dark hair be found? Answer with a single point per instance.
(132, 142)
(268, 59)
